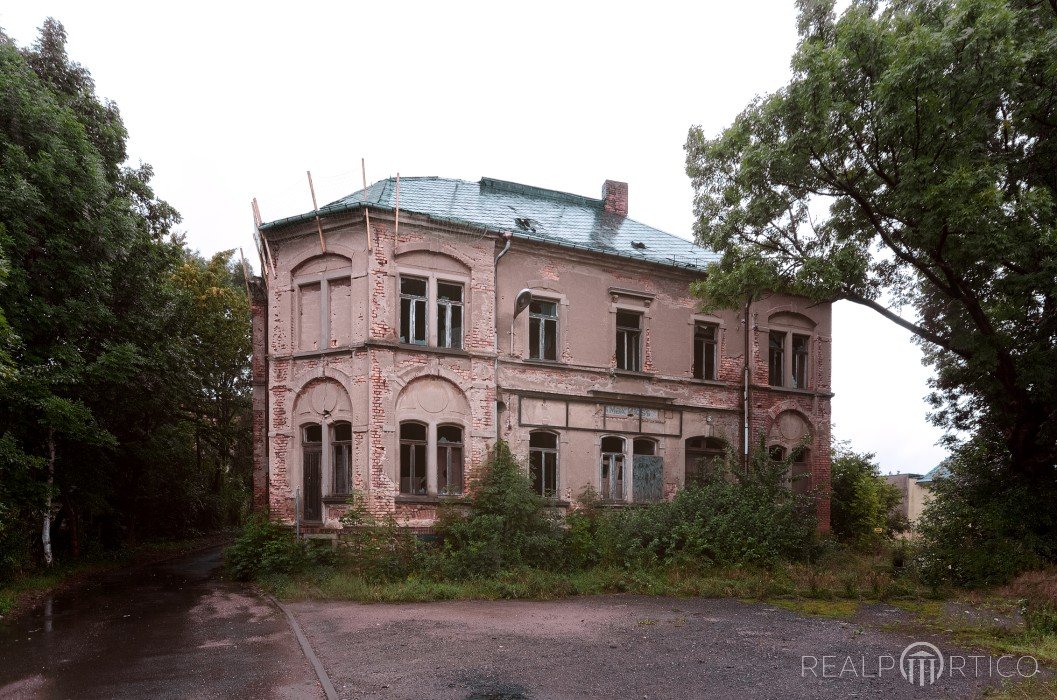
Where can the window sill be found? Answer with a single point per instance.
(430, 499)
(633, 373)
(337, 500)
(546, 363)
(802, 392)
(709, 382)
(413, 347)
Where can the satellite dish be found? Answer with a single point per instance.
(524, 298)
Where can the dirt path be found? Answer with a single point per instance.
(606, 647)
(168, 630)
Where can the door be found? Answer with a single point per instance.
(313, 485)
(647, 478)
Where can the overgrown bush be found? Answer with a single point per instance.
(265, 547)
(733, 517)
(985, 525)
(379, 548)
(862, 502)
(507, 524)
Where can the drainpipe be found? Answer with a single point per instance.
(507, 237)
(747, 378)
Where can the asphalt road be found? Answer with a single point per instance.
(617, 646)
(170, 630)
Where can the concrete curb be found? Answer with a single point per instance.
(306, 647)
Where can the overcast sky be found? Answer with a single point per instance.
(229, 104)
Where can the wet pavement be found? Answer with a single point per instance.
(169, 630)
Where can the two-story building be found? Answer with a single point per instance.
(400, 331)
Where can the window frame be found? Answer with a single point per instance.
(346, 447)
(413, 302)
(539, 318)
(800, 357)
(544, 453)
(450, 340)
(624, 336)
(707, 347)
(448, 447)
(614, 461)
(413, 443)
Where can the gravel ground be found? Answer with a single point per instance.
(607, 646)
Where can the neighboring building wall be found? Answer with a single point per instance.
(335, 359)
(914, 496)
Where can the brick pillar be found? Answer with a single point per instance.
(615, 197)
(259, 370)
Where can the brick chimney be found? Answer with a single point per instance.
(615, 197)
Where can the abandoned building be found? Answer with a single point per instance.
(400, 331)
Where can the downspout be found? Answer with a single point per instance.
(507, 237)
(747, 379)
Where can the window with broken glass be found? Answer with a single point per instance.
(776, 358)
(800, 358)
(341, 449)
(612, 469)
(543, 330)
(413, 458)
(543, 463)
(413, 310)
(449, 315)
(629, 337)
(449, 459)
(706, 350)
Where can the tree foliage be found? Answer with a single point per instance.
(910, 166)
(120, 350)
(862, 503)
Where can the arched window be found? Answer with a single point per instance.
(704, 456)
(449, 459)
(776, 453)
(612, 469)
(312, 471)
(543, 463)
(413, 458)
(341, 448)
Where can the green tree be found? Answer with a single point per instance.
(862, 503)
(910, 166)
(118, 347)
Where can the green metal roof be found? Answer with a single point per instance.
(549, 216)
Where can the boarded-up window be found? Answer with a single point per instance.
(308, 310)
(340, 312)
(647, 478)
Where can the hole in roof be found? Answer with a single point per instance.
(526, 224)
(638, 245)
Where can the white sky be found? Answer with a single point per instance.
(231, 103)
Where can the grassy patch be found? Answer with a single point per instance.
(1030, 689)
(831, 609)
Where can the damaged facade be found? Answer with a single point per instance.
(410, 325)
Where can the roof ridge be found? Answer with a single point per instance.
(519, 188)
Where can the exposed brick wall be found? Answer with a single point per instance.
(259, 371)
(615, 197)
(376, 368)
